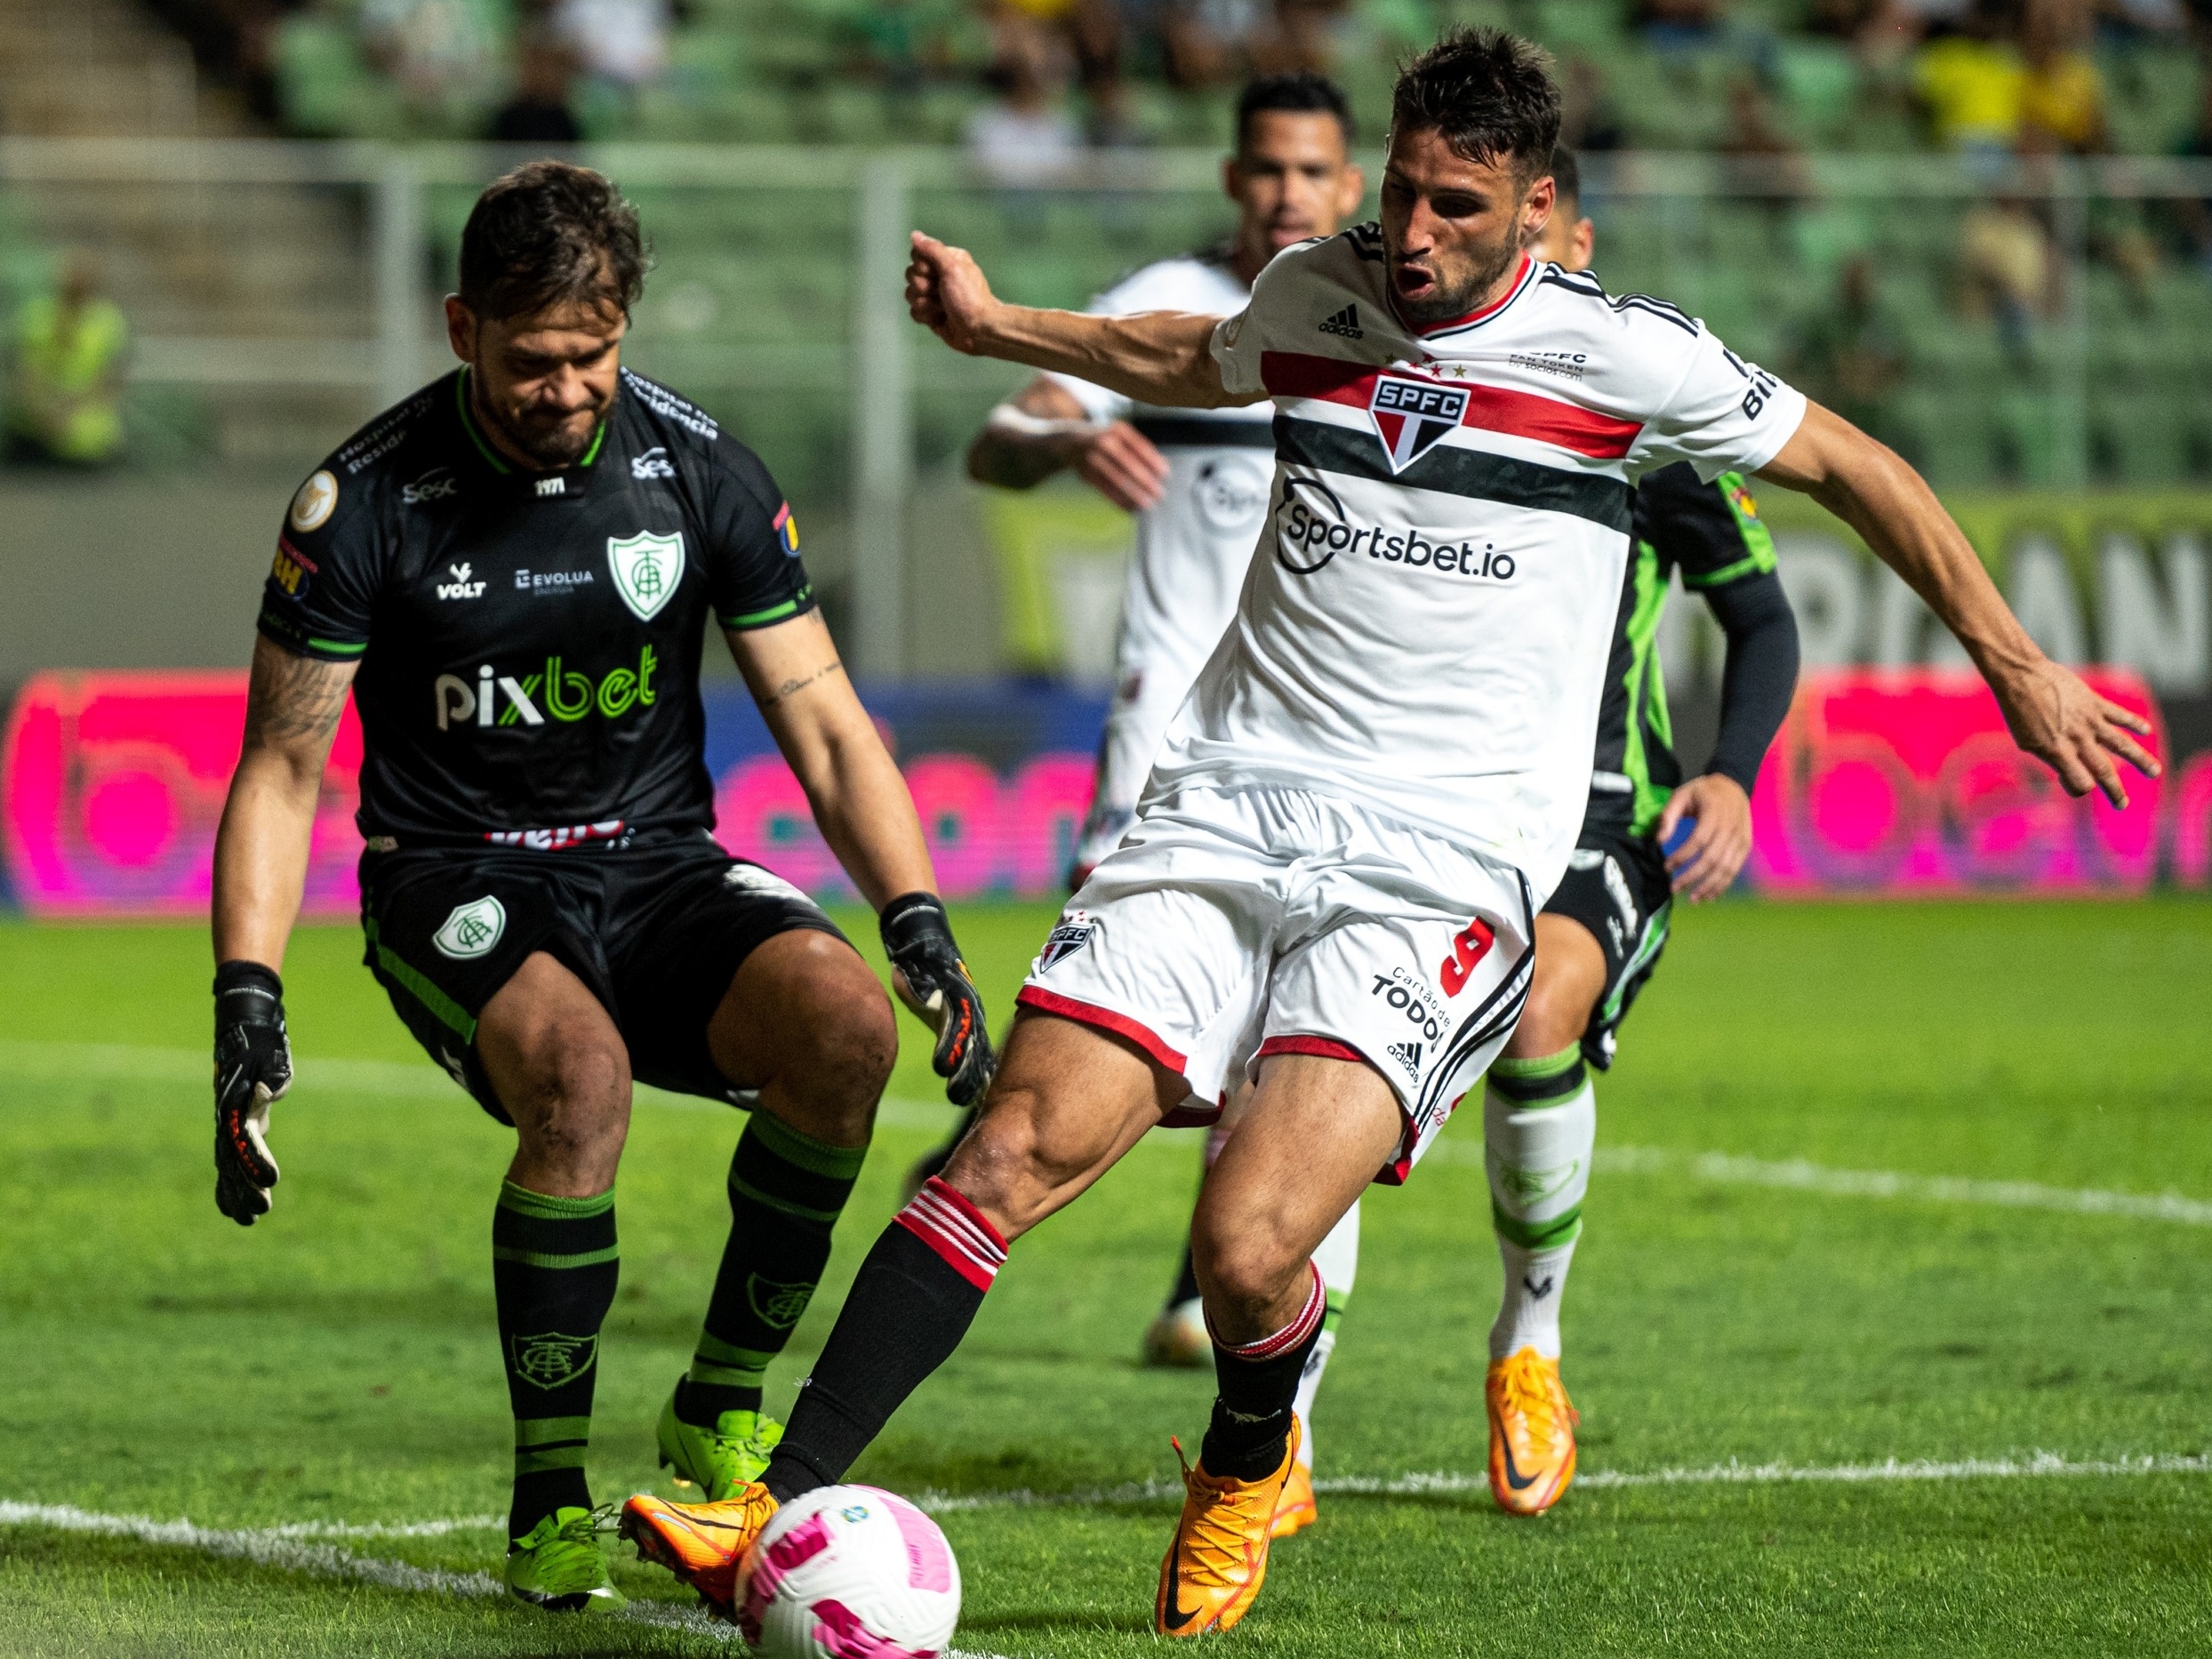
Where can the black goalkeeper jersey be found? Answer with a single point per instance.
(1710, 532)
(529, 643)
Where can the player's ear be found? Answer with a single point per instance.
(1232, 180)
(1351, 190)
(1536, 207)
(461, 329)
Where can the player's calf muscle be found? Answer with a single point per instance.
(1068, 1102)
(806, 1022)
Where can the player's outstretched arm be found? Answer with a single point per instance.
(2052, 714)
(1158, 357)
(292, 707)
(860, 805)
(1043, 428)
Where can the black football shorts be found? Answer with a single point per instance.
(1616, 886)
(657, 929)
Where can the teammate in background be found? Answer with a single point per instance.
(1380, 774)
(1197, 481)
(513, 571)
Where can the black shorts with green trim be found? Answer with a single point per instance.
(1616, 886)
(656, 928)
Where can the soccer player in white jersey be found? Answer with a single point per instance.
(1376, 781)
(1197, 481)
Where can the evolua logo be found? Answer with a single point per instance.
(1411, 417)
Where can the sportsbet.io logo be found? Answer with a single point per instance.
(1311, 528)
(551, 1359)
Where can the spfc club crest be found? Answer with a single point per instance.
(647, 570)
(1411, 417)
(1074, 931)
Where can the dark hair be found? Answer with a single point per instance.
(1489, 92)
(1301, 91)
(1566, 178)
(550, 233)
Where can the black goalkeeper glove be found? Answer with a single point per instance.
(252, 1067)
(931, 979)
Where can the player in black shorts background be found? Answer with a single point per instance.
(512, 571)
(1599, 936)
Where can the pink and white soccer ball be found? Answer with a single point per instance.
(850, 1572)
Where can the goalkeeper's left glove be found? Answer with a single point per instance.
(252, 1067)
(931, 979)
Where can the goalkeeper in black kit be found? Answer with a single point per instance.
(512, 572)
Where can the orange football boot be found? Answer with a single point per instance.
(1218, 1560)
(1532, 1433)
(702, 1544)
(1296, 1510)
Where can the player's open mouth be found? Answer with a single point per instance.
(1411, 282)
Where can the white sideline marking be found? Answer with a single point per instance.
(76, 1060)
(288, 1549)
(2032, 1466)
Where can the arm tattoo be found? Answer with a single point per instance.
(788, 686)
(294, 700)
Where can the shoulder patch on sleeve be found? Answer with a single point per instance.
(668, 406)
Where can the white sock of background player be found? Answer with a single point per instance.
(1338, 1258)
(1539, 1128)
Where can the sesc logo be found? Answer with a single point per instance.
(1411, 417)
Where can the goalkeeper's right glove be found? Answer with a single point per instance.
(253, 1068)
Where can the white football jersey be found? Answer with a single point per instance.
(1191, 548)
(1426, 625)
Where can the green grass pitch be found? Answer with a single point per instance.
(336, 1364)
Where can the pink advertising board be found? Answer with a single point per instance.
(1905, 782)
(1881, 783)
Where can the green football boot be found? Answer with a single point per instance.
(722, 1461)
(557, 1567)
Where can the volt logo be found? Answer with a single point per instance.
(1411, 417)
(460, 587)
(1469, 947)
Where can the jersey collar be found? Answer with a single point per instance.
(1429, 331)
(569, 481)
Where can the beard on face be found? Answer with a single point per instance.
(1489, 262)
(548, 446)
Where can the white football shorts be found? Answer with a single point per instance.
(1234, 926)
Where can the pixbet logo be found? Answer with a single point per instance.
(1310, 529)
(567, 696)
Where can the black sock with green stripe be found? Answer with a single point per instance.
(553, 1273)
(786, 1193)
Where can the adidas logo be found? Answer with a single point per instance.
(1406, 1054)
(1345, 322)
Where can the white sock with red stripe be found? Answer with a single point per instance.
(957, 1230)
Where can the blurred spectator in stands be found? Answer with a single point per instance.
(65, 372)
(1969, 82)
(1673, 26)
(2062, 96)
(622, 43)
(437, 52)
(1024, 138)
(1202, 42)
(1774, 166)
(2008, 269)
(538, 112)
(2193, 214)
(1297, 35)
(1850, 354)
(1037, 40)
(1588, 120)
